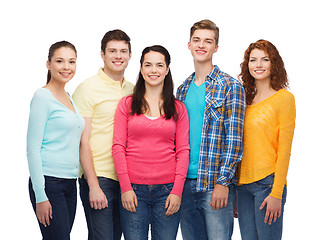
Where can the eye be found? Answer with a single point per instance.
(59, 61)
(72, 62)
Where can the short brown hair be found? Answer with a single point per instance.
(206, 24)
(117, 35)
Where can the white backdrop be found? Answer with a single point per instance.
(28, 28)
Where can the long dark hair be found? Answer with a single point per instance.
(139, 104)
(55, 47)
(279, 78)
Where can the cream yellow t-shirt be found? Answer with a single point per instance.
(97, 98)
(268, 133)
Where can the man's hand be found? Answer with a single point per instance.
(219, 197)
(97, 198)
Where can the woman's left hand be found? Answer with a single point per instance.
(273, 209)
(172, 204)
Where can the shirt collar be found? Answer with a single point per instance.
(107, 79)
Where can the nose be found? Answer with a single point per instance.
(118, 54)
(259, 64)
(201, 44)
(154, 68)
(66, 65)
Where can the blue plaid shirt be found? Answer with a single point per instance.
(222, 132)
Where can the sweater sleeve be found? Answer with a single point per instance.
(286, 119)
(39, 113)
(182, 149)
(234, 123)
(119, 144)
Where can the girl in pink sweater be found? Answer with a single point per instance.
(151, 151)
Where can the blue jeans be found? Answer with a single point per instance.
(199, 221)
(104, 224)
(251, 219)
(62, 195)
(150, 210)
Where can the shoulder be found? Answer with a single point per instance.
(284, 99)
(285, 95)
(126, 102)
(41, 94)
(186, 82)
(180, 107)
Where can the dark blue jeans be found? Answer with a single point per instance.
(150, 210)
(104, 224)
(62, 195)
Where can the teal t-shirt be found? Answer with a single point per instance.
(195, 104)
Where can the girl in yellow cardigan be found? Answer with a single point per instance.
(268, 133)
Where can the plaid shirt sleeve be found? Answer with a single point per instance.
(233, 144)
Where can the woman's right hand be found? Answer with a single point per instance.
(129, 201)
(44, 212)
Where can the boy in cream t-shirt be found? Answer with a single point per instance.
(97, 98)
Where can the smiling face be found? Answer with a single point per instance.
(116, 57)
(259, 65)
(154, 69)
(62, 65)
(203, 45)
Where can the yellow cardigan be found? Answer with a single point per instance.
(268, 133)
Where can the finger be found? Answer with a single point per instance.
(270, 218)
(92, 204)
(225, 202)
(136, 201)
(266, 217)
(262, 205)
(47, 220)
(167, 203)
(275, 216)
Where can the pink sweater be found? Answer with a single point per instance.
(149, 151)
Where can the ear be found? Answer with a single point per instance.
(168, 69)
(216, 48)
(48, 65)
(189, 45)
(103, 55)
(130, 56)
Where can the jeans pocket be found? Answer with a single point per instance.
(168, 187)
(266, 182)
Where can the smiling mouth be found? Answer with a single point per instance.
(259, 71)
(200, 51)
(117, 63)
(64, 74)
(153, 77)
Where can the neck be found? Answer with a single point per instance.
(202, 70)
(56, 86)
(263, 86)
(153, 93)
(116, 76)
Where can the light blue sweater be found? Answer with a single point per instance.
(53, 139)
